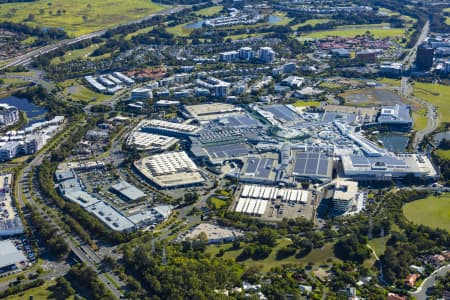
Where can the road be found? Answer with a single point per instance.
(406, 90)
(29, 56)
(83, 252)
(421, 292)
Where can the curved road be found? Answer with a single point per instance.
(421, 292)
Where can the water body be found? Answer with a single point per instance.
(394, 142)
(196, 25)
(33, 112)
(274, 19)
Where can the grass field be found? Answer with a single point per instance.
(306, 103)
(432, 211)
(140, 31)
(42, 292)
(209, 11)
(344, 31)
(77, 17)
(244, 36)
(78, 92)
(443, 154)
(75, 54)
(316, 256)
(284, 19)
(180, 30)
(390, 81)
(311, 22)
(436, 94)
(420, 119)
(379, 245)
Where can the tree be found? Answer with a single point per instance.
(62, 289)
(267, 236)
(350, 248)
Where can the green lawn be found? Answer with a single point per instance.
(443, 154)
(306, 103)
(379, 33)
(209, 11)
(284, 19)
(76, 54)
(42, 292)
(77, 17)
(244, 36)
(311, 22)
(379, 245)
(436, 94)
(432, 211)
(390, 81)
(316, 256)
(420, 119)
(217, 203)
(78, 92)
(140, 31)
(180, 30)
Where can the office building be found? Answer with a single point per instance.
(266, 54)
(8, 114)
(424, 58)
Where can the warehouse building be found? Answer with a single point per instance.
(170, 170)
(10, 257)
(127, 191)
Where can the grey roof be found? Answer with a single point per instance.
(398, 114)
(9, 254)
(127, 190)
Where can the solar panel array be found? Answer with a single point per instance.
(259, 167)
(227, 151)
(238, 120)
(311, 164)
(282, 113)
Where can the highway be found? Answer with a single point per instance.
(29, 56)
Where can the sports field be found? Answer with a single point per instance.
(433, 211)
(436, 94)
(77, 17)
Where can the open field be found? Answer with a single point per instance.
(443, 154)
(436, 94)
(371, 97)
(420, 119)
(379, 245)
(77, 17)
(76, 91)
(432, 211)
(244, 36)
(140, 31)
(306, 103)
(353, 31)
(180, 30)
(390, 81)
(311, 22)
(76, 54)
(316, 256)
(42, 292)
(209, 11)
(284, 19)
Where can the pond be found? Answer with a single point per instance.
(33, 112)
(394, 142)
(196, 25)
(274, 19)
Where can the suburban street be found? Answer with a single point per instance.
(421, 292)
